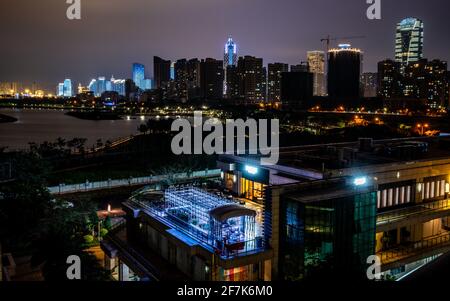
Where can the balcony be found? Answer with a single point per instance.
(417, 214)
(400, 255)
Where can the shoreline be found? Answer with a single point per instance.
(7, 119)
(94, 115)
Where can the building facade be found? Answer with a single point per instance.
(161, 72)
(389, 79)
(409, 41)
(181, 79)
(320, 213)
(274, 80)
(251, 79)
(427, 80)
(369, 84)
(344, 72)
(328, 208)
(138, 75)
(232, 82)
(229, 59)
(65, 89)
(211, 78)
(316, 65)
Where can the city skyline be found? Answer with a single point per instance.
(78, 50)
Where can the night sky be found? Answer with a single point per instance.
(38, 42)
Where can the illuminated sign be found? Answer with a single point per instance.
(251, 170)
(360, 181)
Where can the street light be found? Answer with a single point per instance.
(421, 128)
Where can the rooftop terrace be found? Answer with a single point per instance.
(198, 217)
(306, 163)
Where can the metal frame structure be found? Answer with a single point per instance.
(221, 224)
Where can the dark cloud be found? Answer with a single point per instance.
(40, 44)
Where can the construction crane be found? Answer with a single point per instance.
(328, 39)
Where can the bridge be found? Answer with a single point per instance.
(62, 189)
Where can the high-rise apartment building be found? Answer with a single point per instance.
(409, 41)
(389, 79)
(316, 65)
(161, 72)
(274, 80)
(427, 80)
(193, 78)
(181, 79)
(211, 77)
(232, 82)
(251, 78)
(369, 83)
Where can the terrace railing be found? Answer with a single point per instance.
(402, 252)
(419, 209)
(109, 184)
(226, 251)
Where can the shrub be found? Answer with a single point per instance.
(103, 232)
(88, 239)
(107, 223)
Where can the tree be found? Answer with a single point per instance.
(143, 129)
(69, 227)
(26, 201)
(107, 223)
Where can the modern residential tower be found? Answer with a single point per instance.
(211, 76)
(316, 65)
(409, 41)
(251, 78)
(274, 80)
(389, 79)
(161, 72)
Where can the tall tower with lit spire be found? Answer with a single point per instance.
(229, 59)
(230, 54)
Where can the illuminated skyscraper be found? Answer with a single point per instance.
(118, 85)
(101, 85)
(229, 59)
(316, 65)
(230, 54)
(139, 75)
(172, 71)
(409, 41)
(93, 86)
(147, 84)
(60, 90)
(68, 91)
